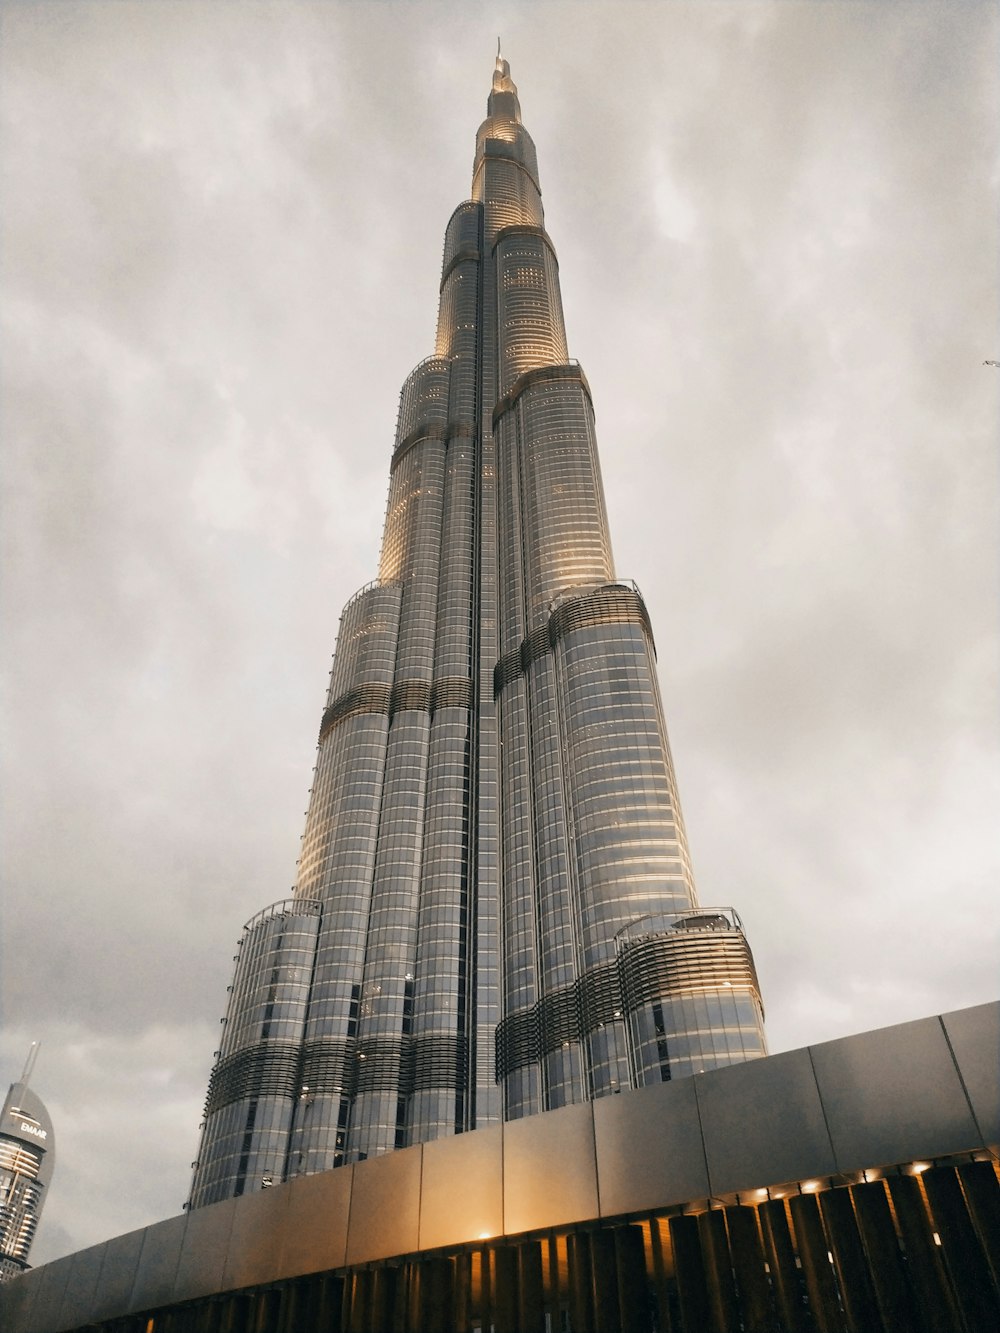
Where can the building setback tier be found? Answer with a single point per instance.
(850, 1185)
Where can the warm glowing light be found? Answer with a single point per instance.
(937, 1239)
(761, 1194)
(484, 1235)
(918, 1167)
(810, 1185)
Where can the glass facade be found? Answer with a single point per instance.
(495, 912)
(27, 1160)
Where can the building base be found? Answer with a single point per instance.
(847, 1186)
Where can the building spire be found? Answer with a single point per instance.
(29, 1064)
(503, 83)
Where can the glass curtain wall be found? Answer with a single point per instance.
(494, 871)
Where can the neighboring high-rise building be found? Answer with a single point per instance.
(495, 912)
(27, 1159)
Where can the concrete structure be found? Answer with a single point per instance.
(851, 1185)
(495, 913)
(27, 1160)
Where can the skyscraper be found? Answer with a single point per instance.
(495, 913)
(27, 1159)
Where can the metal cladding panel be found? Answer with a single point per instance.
(256, 1238)
(16, 1299)
(549, 1169)
(385, 1207)
(461, 1188)
(763, 1123)
(118, 1270)
(156, 1271)
(892, 1093)
(45, 1308)
(315, 1224)
(204, 1249)
(975, 1039)
(81, 1287)
(649, 1148)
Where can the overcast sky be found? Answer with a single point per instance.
(777, 228)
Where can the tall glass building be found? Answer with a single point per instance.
(495, 913)
(27, 1160)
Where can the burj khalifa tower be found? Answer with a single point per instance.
(495, 912)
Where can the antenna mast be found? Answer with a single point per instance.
(29, 1064)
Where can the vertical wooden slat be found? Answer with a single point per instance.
(185, 1319)
(812, 1247)
(530, 1290)
(346, 1299)
(291, 1309)
(429, 1296)
(718, 1271)
(602, 1259)
(436, 1296)
(414, 1282)
(269, 1311)
(971, 1279)
(361, 1301)
(445, 1287)
(982, 1193)
(885, 1264)
(786, 1282)
(383, 1299)
(219, 1326)
(310, 1302)
(856, 1291)
(202, 1316)
(244, 1313)
(660, 1246)
(634, 1312)
(756, 1308)
(936, 1312)
(329, 1299)
(236, 1310)
(483, 1286)
(209, 1315)
(401, 1302)
(556, 1286)
(505, 1311)
(581, 1290)
(463, 1293)
(692, 1289)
